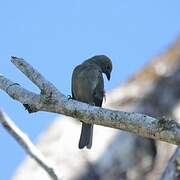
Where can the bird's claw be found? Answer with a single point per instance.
(69, 97)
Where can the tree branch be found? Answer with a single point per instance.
(27, 145)
(51, 100)
(172, 170)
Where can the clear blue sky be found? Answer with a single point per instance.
(54, 36)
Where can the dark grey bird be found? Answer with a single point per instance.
(87, 86)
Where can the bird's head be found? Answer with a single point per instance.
(104, 63)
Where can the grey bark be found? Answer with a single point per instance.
(51, 100)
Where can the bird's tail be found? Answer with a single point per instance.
(86, 136)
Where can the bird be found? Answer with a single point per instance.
(87, 85)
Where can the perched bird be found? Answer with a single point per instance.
(87, 86)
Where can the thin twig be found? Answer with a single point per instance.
(27, 145)
(172, 170)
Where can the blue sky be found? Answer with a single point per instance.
(55, 36)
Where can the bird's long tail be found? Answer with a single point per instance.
(86, 136)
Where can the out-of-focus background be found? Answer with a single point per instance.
(55, 36)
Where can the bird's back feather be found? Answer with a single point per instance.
(87, 86)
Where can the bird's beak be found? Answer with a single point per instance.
(108, 75)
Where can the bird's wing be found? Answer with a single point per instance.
(87, 84)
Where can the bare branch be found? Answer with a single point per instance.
(172, 170)
(51, 100)
(45, 86)
(27, 145)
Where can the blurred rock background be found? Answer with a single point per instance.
(153, 90)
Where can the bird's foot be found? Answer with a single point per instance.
(69, 97)
(30, 108)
